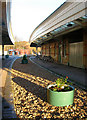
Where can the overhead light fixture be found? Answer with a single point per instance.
(70, 24)
(84, 17)
(48, 34)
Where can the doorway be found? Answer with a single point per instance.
(76, 54)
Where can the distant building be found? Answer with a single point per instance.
(19, 51)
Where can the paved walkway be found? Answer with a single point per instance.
(6, 96)
(77, 75)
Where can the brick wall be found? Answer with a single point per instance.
(43, 50)
(52, 49)
(47, 49)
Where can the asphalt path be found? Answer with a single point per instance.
(6, 63)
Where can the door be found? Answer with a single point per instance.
(60, 54)
(76, 54)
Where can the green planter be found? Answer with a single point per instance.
(24, 61)
(6, 56)
(60, 98)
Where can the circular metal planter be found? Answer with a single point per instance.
(60, 98)
(24, 61)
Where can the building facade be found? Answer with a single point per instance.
(69, 49)
(63, 35)
(19, 51)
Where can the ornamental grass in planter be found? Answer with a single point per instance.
(7, 56)
(61, 93)
(24, 60)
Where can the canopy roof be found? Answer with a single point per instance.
(68, 17)
(5, 33)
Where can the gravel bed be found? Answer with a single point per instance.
(29, 83)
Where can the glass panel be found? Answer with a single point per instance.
(84, 17)
(58, 29)
(72, 23)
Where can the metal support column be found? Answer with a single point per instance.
(2, 51)
(37, 50)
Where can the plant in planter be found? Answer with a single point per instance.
(24, 60)
(61, 93)
(7, 56)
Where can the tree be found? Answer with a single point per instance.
(21, 45)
